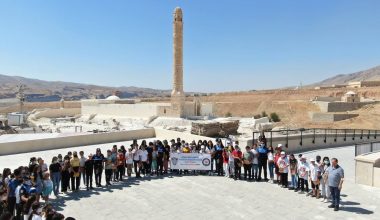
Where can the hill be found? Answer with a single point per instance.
(40, 90)
(372, 74)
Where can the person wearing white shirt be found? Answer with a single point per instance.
(137, 160)
(313, 174)
(82, 160)
(129, 161)
(283, 165)
(255, 162)
(144, 161)
(303, 170)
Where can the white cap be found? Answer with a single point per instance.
(312, 160)
(303, 157)
(282, 152)
(279, 145)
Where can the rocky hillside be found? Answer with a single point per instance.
(40, 90)
(365, 75)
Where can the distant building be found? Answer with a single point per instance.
(351, 97)
(360, 84)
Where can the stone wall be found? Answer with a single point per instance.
(330, 117)
(340, 106)
(58, 113)
(140, 110)
(73, 141)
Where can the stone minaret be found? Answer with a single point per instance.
(178, 96)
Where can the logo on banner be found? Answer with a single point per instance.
(206, 162)
(174, 160)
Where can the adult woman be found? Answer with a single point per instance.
(55, 174)
(271, 163)
(324, 183)
(37, 180)
(6, 176)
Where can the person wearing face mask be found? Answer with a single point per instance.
(263, 159)
(55, 174)
(283, 165)
(325, 187)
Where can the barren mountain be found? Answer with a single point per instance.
(40, 90)
(365, 75)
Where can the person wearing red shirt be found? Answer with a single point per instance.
(276, 158)
(238, 155)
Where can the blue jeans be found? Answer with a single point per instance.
(271, 170)
(56, 179)
(255, 171)
(294, 181)
(335, 195)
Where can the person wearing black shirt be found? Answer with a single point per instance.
(149, 149)
(98, 159)
(55, 174)
(160, 158)
(89, 169)
(166, 156)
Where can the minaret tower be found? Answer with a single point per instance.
(178, 95)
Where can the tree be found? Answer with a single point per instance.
(228, 114)
(274, 117)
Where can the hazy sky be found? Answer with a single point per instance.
(228, 45)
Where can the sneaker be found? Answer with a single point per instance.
(331, 206)
(336, 208)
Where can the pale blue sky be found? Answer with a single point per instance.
(228, 45)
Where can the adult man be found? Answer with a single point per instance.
(335, 180)
(263, 158)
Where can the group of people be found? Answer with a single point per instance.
(22, 190)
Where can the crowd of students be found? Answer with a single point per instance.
(23, 189)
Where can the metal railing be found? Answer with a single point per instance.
(368, 147)
(324, 133)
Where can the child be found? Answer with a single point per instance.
(293, 171)
(154, 160)
(47, 187)
(89, 169)
(109, 167)
(303, 173)
(129, 161)
(225, 162)
(120, 165)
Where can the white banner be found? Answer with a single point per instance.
(191, 161)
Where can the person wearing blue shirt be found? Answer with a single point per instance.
(263, 158)
(11, 191)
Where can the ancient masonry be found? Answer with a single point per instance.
(178, 96)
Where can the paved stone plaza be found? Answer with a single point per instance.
(204, 197)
